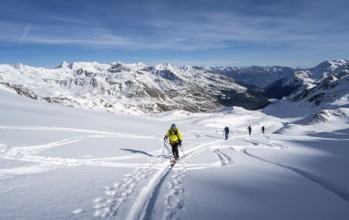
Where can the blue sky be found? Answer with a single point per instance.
(181, 32)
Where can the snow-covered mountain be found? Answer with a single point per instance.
(321, 93)
(138, 88)
(305, 79)
(119, 87)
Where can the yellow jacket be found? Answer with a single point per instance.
(174, 135)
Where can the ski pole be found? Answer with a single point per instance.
(182, 150)
(163, 147)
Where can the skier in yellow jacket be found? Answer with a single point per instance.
(175, 138)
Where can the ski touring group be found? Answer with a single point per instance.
(249, 128)
(175, 139)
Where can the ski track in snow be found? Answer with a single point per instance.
(260, 143)
(38, 128)
(223, 158)
(45, 163)
(143, 206)
(165, 176)
(333, 187)
(19, 152)
(175, 196)
(117, 194)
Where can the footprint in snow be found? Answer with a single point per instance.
(175, 196)
(118, 193)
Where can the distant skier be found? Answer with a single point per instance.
(249, 130)
(263, 129)
(175, 138)
(226, 132)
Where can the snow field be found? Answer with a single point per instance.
(64, 163)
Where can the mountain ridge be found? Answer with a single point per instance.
(129, 88)
(138, 89)
(320, 93)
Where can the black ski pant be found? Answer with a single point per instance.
(175, 150)
(226, 135)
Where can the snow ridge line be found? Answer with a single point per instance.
(333, 187)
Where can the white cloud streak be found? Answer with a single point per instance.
(25, 34)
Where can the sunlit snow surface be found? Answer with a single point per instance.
(65, 163)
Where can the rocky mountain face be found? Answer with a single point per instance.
(328, 92)
(130, 88)
(305, 79)
(322, 92)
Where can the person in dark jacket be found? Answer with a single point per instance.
(226, 132)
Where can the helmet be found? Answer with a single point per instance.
(173, 126)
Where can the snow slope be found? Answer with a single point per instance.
(65, 163)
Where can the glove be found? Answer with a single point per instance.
(180, 143)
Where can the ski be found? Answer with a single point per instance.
(173, 162)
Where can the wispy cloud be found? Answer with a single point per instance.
(70, 20)
(25, 34)
(87, 39)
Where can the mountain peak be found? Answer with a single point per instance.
(328, 67)
(64, 64)
(165, 66)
